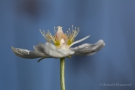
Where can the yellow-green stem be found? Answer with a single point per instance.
(62, 73)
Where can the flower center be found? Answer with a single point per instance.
(60, 39)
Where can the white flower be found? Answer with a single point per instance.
(61, 46)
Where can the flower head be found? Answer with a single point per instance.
(59, 46)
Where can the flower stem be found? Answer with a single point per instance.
(62, 76)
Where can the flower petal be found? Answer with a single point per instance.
(88, 49)
(52, 51)
(24, 53)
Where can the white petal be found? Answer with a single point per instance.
(24, 53)
(88, 49)
(51, 50)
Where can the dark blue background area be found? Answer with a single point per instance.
(110, 20)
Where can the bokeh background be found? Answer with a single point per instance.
(110, 20)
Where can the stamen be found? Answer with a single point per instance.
(51, 37)
(54, 30)
(43, 33)
(72, 35)
(77, 33)
(69, 32)
(72, 27)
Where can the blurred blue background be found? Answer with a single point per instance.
(110, 20)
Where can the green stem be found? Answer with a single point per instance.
(62, 76)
